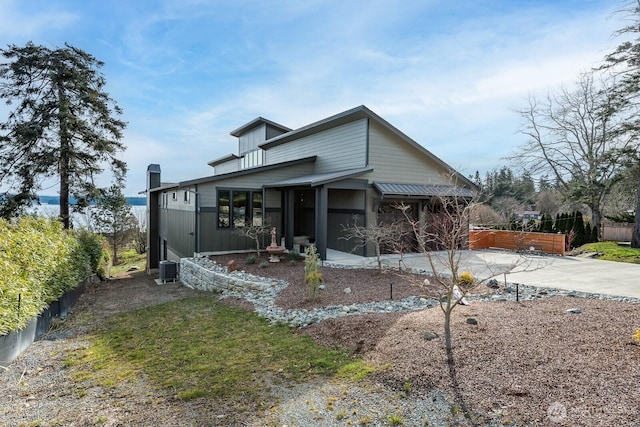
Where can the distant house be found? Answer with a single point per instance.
(307, 182)
(529, 215)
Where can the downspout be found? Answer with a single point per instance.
(197, 219)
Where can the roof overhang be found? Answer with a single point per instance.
(318, 179)
(257, 122)
(394, 190)
(362, 112)
(242, 172)
(220, 160)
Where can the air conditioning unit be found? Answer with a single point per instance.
(168, 271)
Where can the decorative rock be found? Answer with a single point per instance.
(472, 320)
(493, 284)
(133, 268)
(428, 335)
(574, 310)
(426, 282)
(321, 287)
(347, 290)
(457, 296)
(261, 292)
(232, 266)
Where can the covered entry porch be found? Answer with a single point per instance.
(315, 207)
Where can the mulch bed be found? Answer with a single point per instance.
(365, 285)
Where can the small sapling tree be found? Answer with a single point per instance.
(380, 236)
(255, 232)
(312, 274)
(445, 228)
(442, 235)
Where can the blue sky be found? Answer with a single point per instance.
(449, 74)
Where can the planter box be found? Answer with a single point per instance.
(14, 343)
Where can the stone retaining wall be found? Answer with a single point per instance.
(202, 274)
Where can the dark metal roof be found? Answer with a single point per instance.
(319, 178)
(421, 190)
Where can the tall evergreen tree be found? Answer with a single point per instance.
(625, 60)
(62, 125)
(546, 224)
(578, 228)
(587, 233)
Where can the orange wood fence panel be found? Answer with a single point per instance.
(517, 241)
(617, 232)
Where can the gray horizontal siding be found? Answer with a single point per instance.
(394, 160)
(227, 167)
(343, 147)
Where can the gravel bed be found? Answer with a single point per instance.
(523, 363)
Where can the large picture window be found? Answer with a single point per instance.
(239, 208)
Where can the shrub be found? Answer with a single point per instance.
(251, 259)
(295, 255)
(312, 275)
(39, 261)
(466, 279)
(264, 264)
(396, 420)
(97, 248)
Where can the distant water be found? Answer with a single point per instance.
(81, 220)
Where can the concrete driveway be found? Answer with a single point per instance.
(569, 273)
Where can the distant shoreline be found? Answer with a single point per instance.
(55, 200)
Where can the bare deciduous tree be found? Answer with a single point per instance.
(380, 236)
(140, 232)
(255, 232)
(576, 136)
(442, 235)
(445, 228)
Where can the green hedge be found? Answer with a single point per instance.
(39, 261)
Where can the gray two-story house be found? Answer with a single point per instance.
(307, 182)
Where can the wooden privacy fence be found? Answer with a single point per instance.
(617, 231)
(517, 241)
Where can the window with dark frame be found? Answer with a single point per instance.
(239, 208)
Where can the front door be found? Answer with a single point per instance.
(304, 213)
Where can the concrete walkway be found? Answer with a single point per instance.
(569, 273)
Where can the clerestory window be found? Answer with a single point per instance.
(252, 159)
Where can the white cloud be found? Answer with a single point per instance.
(18, 23)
